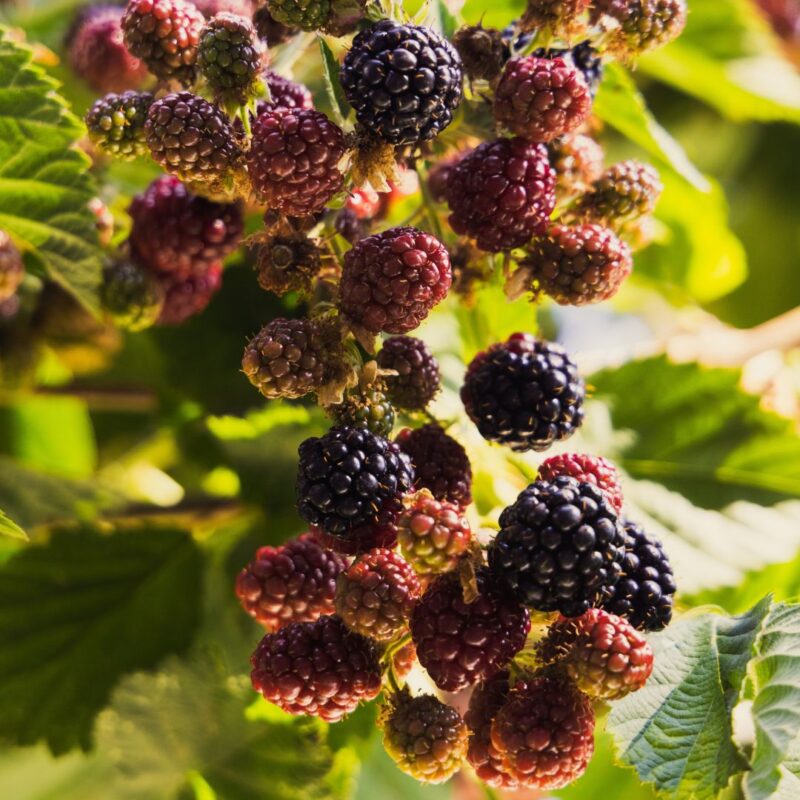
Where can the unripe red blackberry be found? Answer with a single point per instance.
(643, 24)
(131, 295)
(210, 8)
(483, 51)
(404, 81)
(376, 593)
(562, 18)
(287, 264)
(115, 124)
(433, 534)
(560, 547)
(176, 231)
(307, 15)
(269, 29)
(578, 265)
(502, 193)
(417, 380)
(192, 139)
(602, 653)
(487, 699)
(292, 357)
(424, 737)
(441, 464)
(229, 58)
(545, 733)
(541, 99)
(12, 270)
(404, 660)
(293, 160)
(295, 582)
(316, 669)
(525, 393)
(461, 643)
(586, 469)
(625, 192)
(188, 295)
(164, 34)
(285, 93)
(577, 161)
(391, 281)
(98, 53)
(366, 407)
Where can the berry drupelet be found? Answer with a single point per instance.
(188, 295)
(502, 193)
(131, 295)
(560, 547)
(295, 582)
(115, 124)
(586, 469)
(404, 81)
(12, 270)
(524, 393)
(417, 380)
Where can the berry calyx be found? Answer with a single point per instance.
(586, 469)
(115, 124)
(417, 380)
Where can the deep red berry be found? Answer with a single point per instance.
(578, 162)
(404, 660)
(165, 35)
(287, 264)
(417, 380)
(541, 99)
(293, 160)
(295, 582)
(317, 669)
(362, 541)
(188, 295)
(545, 733)
(12, 270)
(376, 593)
(441, 464)
(502, 193)
(461, 643)
(604, 654)
(115, 123)
(424, 737)
(586, 469)
(285, 93)
(625, 192)
(390, 281)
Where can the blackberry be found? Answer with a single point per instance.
(404, 81)
(229, 58)
(441, 464)
(307, 15)
(624, 193)
(561, 18)
(502, 193)
(12, 270)
(293, 160)
(390, 281)
(191, 139)
(483, 51)
(188, 295)
(487, 699)
(292, 357)
(560, 547)
(404, 660)
(350, 480)
(424, 737)
(131, 295)
(433, 534)
(317, 669)
(295, 582)
(583, 56)
(541, 99)
(285, 93)
(644, 594)
(376, 593)
(545, 733)
(115, 124)
(417, 380)
(525, 393)
(643, 24)
(586, 469)
(578, 265)
(99, 56)
(269, 29)
(367, 407)
(288, 264)
(164, 34)
(577, 161)
(602, 653)
(461, 643)
(176, 231)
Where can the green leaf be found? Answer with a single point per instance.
(79, 612)
(10, 528)
(333, 87)
(677, 730)
(44, 183)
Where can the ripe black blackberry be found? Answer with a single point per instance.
(295, 582)
(188, 294)
(417, 380)
(115, 124)
(287, 264)
(525, 393)
(165, 35)
(350, 480)
(560, 547)
(177, 231)
(461, 643)
(192, 139)
(12, 270)
(131, 295)
(307, 15)
(316, 669)
(644, 593)
(441, 464)
(404, 81)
